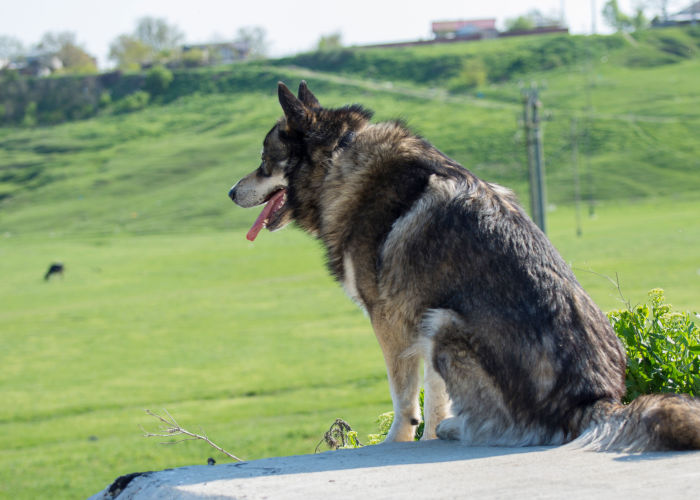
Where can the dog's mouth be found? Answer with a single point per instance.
(273, 214)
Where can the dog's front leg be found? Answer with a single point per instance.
(436, 402)
(403, 373)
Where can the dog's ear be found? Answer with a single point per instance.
(294, 110)
(307, 97)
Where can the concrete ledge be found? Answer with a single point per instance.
(432, 469)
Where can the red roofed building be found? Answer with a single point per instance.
(469, 29)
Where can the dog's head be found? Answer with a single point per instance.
(282, 152)
(295, 156)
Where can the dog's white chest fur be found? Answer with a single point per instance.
(350, 282)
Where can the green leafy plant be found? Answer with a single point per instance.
(133, 102)
(472, 74)
(105, 99)
(663, 348)
(158, 80)
(385, 420)
(341, 436)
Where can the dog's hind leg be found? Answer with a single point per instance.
(404, 375)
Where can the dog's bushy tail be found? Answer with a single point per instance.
(657, 422)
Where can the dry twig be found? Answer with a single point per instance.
(172, 428)
(615, 282)
(337, 435)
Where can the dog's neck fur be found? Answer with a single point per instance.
(342, 148)
(330, 132)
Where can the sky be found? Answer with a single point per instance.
(291, 26)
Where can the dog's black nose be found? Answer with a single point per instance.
(232, 193)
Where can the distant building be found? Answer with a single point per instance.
(689, 15)
(38, 64)
(219, 53)
(468, 29)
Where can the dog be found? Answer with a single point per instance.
(449, 268)
(55, 268)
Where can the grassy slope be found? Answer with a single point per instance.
(165, 304)
(252, 342)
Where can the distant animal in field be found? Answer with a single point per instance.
(55, 269)
(451, 269)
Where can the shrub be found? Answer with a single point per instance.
(133, 102)
(384, 422)
(472, 74)
(29, 119)
(158, 80)
(663, 348)
(648, 57)
(657, 47)
(193, 59)
(105, 99)
(676, 46)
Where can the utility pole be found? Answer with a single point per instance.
(590, 69)
(577, 182)
(562, 14)
(532, 117)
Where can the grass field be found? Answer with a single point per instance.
(252, 342)
(165, 304)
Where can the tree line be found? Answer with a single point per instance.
(154, 41)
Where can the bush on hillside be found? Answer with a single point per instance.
(648, 57)
(158, 80)
(473, 74)
(193, 58)
(55, 99)
(659, 47)
(105, 100)
(29, 119)
(133, 102)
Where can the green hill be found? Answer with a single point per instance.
(155, 169)
(164, 304)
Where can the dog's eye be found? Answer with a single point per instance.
(263, 170)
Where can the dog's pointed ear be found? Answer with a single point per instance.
(307, 97)
(294, 109)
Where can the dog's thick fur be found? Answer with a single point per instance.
(451, 269)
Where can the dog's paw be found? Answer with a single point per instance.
(428, 433)
(449, 429)
(401, 430)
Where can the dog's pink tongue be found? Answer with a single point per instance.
(273, 204)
